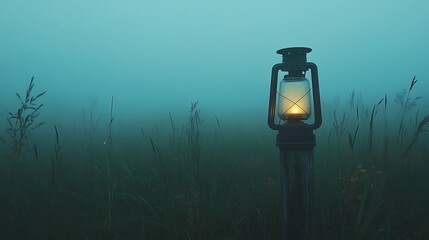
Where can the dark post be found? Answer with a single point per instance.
(297, 181)
(296, 142)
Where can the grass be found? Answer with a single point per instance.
(23, 121)
(205, 182)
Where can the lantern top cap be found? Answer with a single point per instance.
(294, 51)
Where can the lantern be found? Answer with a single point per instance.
(295, 95)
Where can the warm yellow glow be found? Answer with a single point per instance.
(294, 99)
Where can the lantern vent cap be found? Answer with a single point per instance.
(294, 58)
(294, 51)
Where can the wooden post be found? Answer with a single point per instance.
(296, 144)
(297, 179)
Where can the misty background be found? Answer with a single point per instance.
(155, 57)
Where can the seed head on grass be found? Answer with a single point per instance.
(23, 121)
(193, 134)
(406, 103)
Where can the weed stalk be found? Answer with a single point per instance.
(56, 161)
(23, 121)
(110, 183)
(407, 104)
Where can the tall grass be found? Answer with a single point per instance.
(406, 103)
(369, 183)
(373, 181)
(110, 181)
(23, 121)
(56, 160)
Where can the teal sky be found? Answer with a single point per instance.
(157, 56)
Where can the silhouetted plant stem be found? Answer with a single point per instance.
(339, 127)
(422, 127)
(371, 122)
(110, 183)
(166, 177)
(56, 161)
(386, 140)
(352, 140)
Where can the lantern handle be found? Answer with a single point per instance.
(273, 93)
(316, 96)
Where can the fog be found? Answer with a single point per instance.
(156, 57)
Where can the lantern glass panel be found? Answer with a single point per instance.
(294, 101)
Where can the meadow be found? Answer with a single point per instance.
(197, 179)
